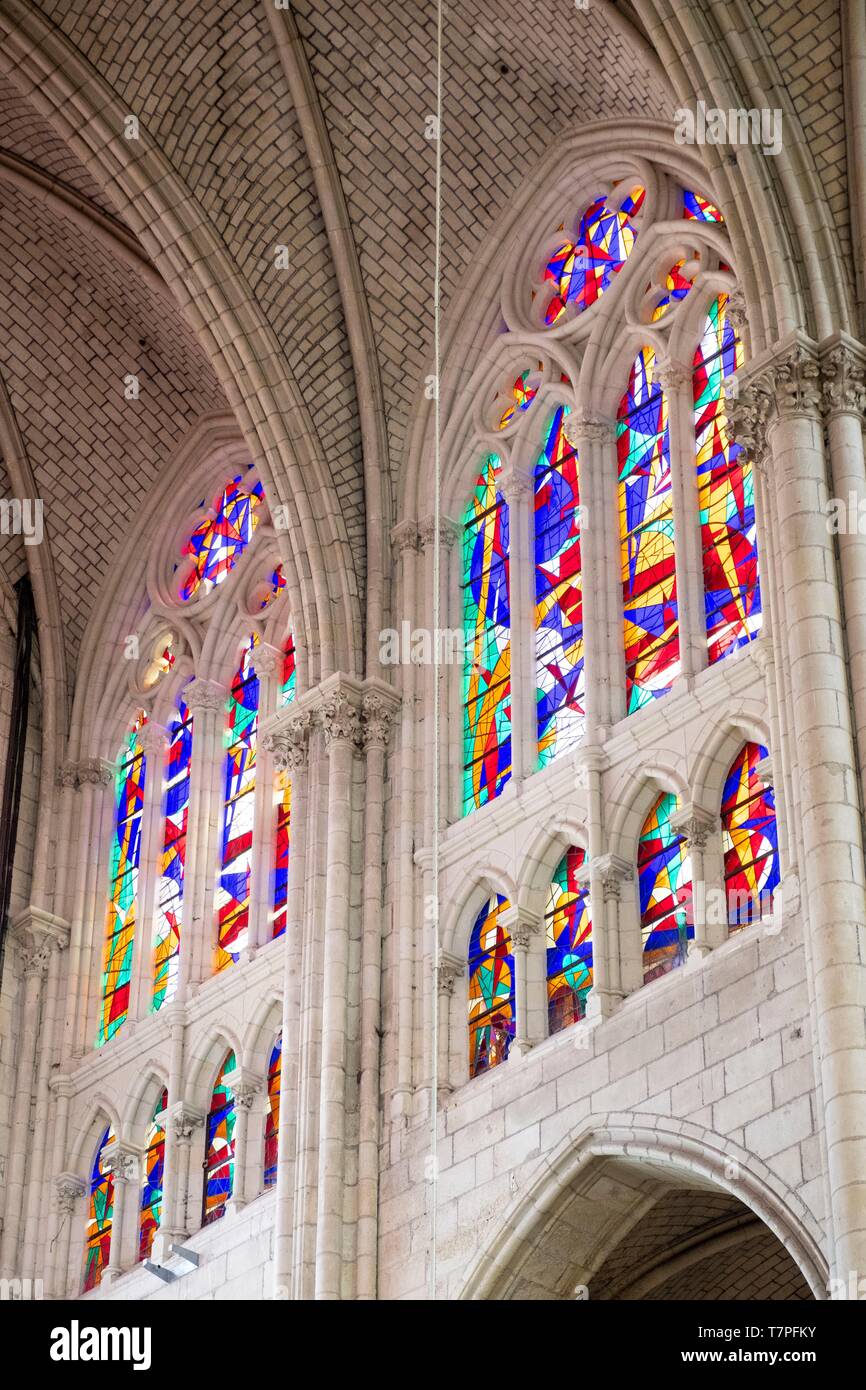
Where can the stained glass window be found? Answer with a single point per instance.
(646, 518)
(277, 584)
(150, 1215)
(100, 1210)
(123, 891)
(169, 889)
(486, 616)
(568, 929)
(218, 542)
(677, 286)
(559, 671)
(233, 894)
(491, 989)
(219, 1164)
(698, 209)
(582, 270)
(288, 684)
(749, 839)
(665, 882)
(726, 497)
(283, 806)
(272, 1123)
(524, 391)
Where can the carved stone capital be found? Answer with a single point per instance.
(613, 872)
(405, 536)
(122, 1161)
(515, 482)
(68, 1187)
(448, 970)
(843, 379)
(749, 414)
(673, 376)
(695, 825)
(378, 710)
(793, 381)
(339, 718)
(184, 1121)
(521, 925)
(87, 772)
(268, 660)
(153, 738)
(735, 311)
(595, 429)
(286, 737)
(38, 934)
(449, 532)
(244, 1088)
(201, 695)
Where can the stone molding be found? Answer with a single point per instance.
(87, 772)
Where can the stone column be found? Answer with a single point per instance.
(206, 701)
(696, 826)
(286, 740)
(677, 382)
(602, 587)
(91, 782)
(527, 947)
(622, 945)
(172, 1014)
(38, 1204)
(606, 992)
(153, 739)
(339, 719)
(187, 1202)
(247, 1091)
(822, 720)
(123, 1162)
(379, 708)
(38, 936)
(448, 971)
(69, 1188)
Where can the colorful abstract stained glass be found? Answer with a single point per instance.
(281, 853)
(150, 1214)
(732, 592)
(278, 583)
(491, 989)
(649, 585)
(750, 839)
(288, 684)
(272, 1123)
(487, 619)
(677, 286)
(581, 270)
(233, 893)
(123, 890)
(219, 1164)
(524, 394)
(169, 889)
(100, 1211)
(568, 928)
(559, 671)
(664, 877)
(698, 209)
(218, 542)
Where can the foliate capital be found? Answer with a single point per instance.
(339, 718)
(582, 424)
(405, 536)
(843, 379)
(201, 695)
(87, 772)
(449, 532)
(286, 737)
(69, 1187)
(378, 710)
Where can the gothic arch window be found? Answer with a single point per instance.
(725, 495)
(649, 583)
(100, 1212)
(491, 988)
(272, 1121)
(664, 880)
(568, 931)
(220, 538)
(150, 1213)
(559, 664)
(750, 840)
(169, 891)
(236, 852)
(487, 619)
(219, 1163)
(123, 886)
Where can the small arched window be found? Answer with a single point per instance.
(559, 669)
(491, 988)
(219, 1164)
(726, 496)
(150, 1215)
(233, 896)
(100, 1211)
(568, 929)
(750, 839)
(220, 539)
(649, 582)
(272, 1123)
(487, 617)
(123, 889)
(169, 889)
(665, 882)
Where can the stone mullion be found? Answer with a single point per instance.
(268, 663)
(518, 492)
(622, 929)
(605, 492)
(286, 742)
(123, 1163)
(449, 970)
(339, 718)
(173, 1014)
(206, 701)
(592, 439)
(247, 1092)
(697, 826)
(153, 740)
(186, 1219)
(606, 990)
(60, 1281)
(677, 383)
(406, 539)
(828, 769)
